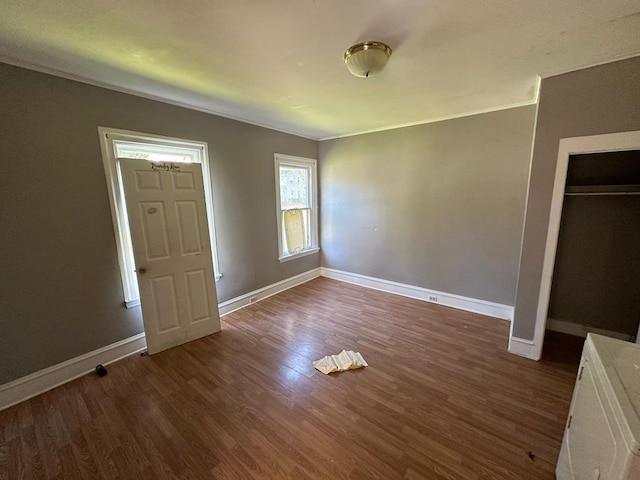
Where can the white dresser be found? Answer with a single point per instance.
(602, 435)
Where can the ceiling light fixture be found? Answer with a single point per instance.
(367, 58)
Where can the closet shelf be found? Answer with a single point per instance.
(603, 190)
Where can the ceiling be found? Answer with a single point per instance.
(278, 63)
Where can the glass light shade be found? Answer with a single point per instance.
(367, 58)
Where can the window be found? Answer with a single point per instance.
(118, 144)
(296, 206)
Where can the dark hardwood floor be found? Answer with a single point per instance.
(441, 399)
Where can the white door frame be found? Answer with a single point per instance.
(108, 137)
(612, 142)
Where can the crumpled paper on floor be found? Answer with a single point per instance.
(345, 360)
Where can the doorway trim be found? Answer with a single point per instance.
(611, 142)
(199, 152)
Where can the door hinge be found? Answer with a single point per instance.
(580, 374)
(569, 423)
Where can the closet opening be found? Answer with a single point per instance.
(596, 274)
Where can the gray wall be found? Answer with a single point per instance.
(596, 278)
(603, 99)
(438, 205)
(60, 289)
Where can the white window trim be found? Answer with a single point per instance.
(307, 163)
(108, 139)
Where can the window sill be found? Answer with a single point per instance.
(286, 258)
(132, 303)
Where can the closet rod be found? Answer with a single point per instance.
(633, 189)
(590, 194)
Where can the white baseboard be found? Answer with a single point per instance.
(39, 382)
(250, 298)
(524, 348)
(571, 328)
(49, 378)
(448, 299)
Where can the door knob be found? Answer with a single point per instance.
(142, 270)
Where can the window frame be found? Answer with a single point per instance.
(110, 139)
(312, 165)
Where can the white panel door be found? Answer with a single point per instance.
(170, 236)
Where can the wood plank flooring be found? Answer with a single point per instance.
(441, 399)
